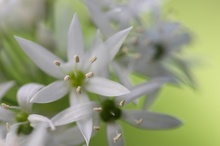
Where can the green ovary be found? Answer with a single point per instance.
(77, 78)
(23, 128)
(159, 51)
(110, 112)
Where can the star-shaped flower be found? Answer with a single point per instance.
(82, 72)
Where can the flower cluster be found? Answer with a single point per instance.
(55, 96)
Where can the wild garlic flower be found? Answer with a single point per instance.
(82, 72)
(21, 116)
(110, 111)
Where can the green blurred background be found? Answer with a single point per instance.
(199, 109)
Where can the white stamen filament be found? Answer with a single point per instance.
(117, 137)
(5, 106)
(122, 103)
(98, 109)
(93, 59)
(78, 90)
(138, 122)
(67, 78)
(8, 126)
(76, 58)
(56, 62)
(89, 75)
(97, 128)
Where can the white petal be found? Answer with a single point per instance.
(38, 137)
(151, 98)
(4, 87)
(37, 120)
(73, 114)
(143, 89)
(25, 93)
(86, 127)
(113, 130)
(98, 39)
(6, 115)
(41, 57)
(50, 93)
(76, 99)
(150, 120)
(113, 44)
(76, 137)
(100, 20)
(106, 87)
(75, 40)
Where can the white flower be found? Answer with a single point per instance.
(82, 72)
(4, 87)
(109, 111)
(21, 116)
(20, 13)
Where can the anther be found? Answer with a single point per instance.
(67, 78)
(78, 90)
(138, 122)
(122, 103)
(89, 75)
(8, 126)
(117, 137)
(97, 128)
(98, 109)
(93, 59)
(5, 105)
(113, 114)
(56, 62)
(76, 58)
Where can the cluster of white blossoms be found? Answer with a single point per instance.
(67, 100)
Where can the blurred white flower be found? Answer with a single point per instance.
(4, 87)
(20, 13)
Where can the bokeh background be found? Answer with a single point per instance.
(200, 108)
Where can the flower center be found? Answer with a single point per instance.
(23, 128)
(76, 78)
(159, 51)
(110, 112)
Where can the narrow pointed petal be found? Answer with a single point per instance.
(86, 127)
(106, 87)
(6, 115)
(50, 93)
(37, 120)
(75, 139)
(76, 99)
(98, 39)
(75, 39)
(38, 137)
(150, 120)
(113, 130)
(73, 114)
(4, 87)
(25, 93)
(41, 57)
(143, 89)
(151, 98)
(114, 43)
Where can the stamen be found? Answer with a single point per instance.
(93, 59)
(56, 62)
(89, 75)
(8, 126)
(5, 106)
(117, 137)
(138, 122)
(122, 103)
(97, 128)
(98, 109)
(67, 78)
(76, 58)
(78, 90)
